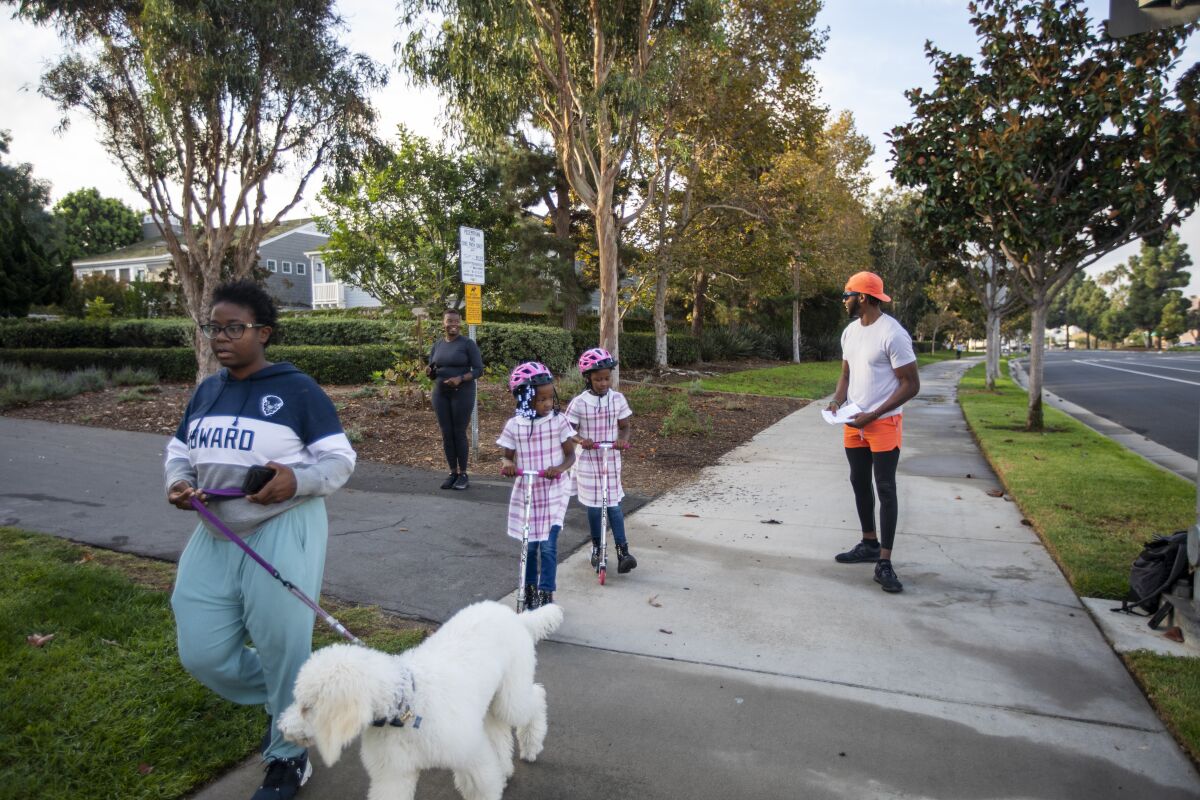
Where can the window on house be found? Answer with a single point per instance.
(286, 267)
(271, 264)
(299, 267)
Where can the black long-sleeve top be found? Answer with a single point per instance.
(457, 357)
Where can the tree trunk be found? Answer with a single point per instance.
(795, 312)
(660, 319)
(562, 232)
(606, 241)
(570, 315)
(1038, 309)
(992, 369)
(699, 289)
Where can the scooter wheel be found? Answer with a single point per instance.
(603, 574)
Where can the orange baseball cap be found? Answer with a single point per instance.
(867, 283)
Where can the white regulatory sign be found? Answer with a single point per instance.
(470, 254)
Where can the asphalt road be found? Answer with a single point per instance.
(1156, 395)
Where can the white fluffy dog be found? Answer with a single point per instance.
(469, 685)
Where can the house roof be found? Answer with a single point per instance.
(156, 248)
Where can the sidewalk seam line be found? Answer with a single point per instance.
(851, 685)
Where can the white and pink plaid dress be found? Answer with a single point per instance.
(538, 445)
(595, 417)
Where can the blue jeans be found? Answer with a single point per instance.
(616, 523)
(545, 554)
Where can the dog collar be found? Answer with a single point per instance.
(401, 712)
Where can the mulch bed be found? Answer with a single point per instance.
(401, 429)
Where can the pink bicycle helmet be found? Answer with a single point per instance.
(594, 359)
(534, 373)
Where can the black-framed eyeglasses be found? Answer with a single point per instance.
(233, 330)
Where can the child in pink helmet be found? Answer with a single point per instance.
(601, 414)
(537, 437)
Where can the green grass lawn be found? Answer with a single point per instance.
(810, 380)
(104, 708)
(1094, 504)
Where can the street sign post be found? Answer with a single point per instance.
(471, 265)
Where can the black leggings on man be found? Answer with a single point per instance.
(862, 463)
(453, 409)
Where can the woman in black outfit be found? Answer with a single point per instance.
(454, 366)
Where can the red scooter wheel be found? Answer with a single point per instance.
(603, 573)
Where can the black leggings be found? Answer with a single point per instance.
(862, 460)
(453, 409)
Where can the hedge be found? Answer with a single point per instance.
(505, 345)
(179, 332)
(637, 349)
(327, 365)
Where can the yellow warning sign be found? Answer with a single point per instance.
(474, 296)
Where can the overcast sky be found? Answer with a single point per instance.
(874, 53)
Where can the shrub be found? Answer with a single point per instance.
(645, 399)
(506, 345)
(179, 332)
(334, 331)
(331, 365)
(151, 333)
(682, 420)
(21, 385)
(56, 334)
(637, 349)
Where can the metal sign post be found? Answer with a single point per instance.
(471, 264)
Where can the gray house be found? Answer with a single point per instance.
(291, 256)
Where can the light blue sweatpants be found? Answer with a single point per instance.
(223, 597)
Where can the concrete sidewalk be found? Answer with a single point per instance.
(740, 661)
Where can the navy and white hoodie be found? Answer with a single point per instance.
(277, 414)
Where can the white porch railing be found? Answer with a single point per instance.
(328, 295)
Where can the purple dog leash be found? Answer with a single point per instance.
(212, 519)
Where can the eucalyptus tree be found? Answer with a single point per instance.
(589, 74)
(200, 103)
(1056, 146)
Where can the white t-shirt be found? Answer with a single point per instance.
(873, 352)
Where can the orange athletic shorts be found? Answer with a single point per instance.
(882, 435)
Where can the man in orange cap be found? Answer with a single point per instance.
(879, 375)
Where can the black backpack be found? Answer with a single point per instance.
(1162, 562)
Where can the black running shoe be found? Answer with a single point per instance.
(625, 559)
(284, 778)
(449, 482)
(461, 482)
(885, 576)
(861, 552)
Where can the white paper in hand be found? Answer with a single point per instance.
(843, 415)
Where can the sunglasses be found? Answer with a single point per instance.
(848, 295)
(233, 330)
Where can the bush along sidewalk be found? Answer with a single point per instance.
(1094, 504)
(93, 701)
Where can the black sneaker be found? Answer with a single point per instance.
(450, 480)
(625, 559)
(885, 576)
(595, 556)
(461, 482)
(545, 598)
(861, 552)
(284, 778)
(531, 597)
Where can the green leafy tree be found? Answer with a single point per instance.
(1055, 147)
(1088, 303)
(896, 257)
(393, 224)
(588, 74)
(31, 271)
(1156, 277)
(92, 224)
(200, 102)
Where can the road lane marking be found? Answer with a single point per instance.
(1135, 372)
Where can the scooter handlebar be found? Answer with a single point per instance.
(540, 473)
(610, 446)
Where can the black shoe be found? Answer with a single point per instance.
(595, 556)
(545, 598)
(859, 553)
(284, 778)
(450, 480)
(885, 576)
(625, 561)
(531, 597)
(461, 482)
